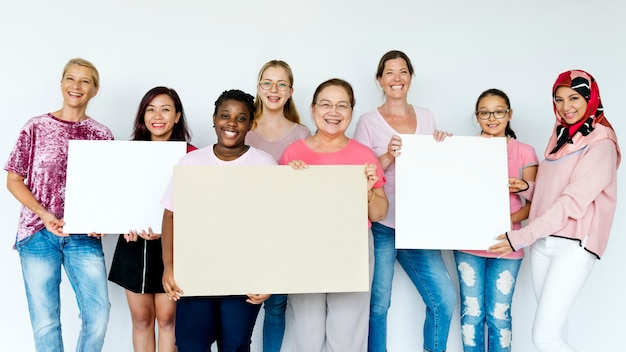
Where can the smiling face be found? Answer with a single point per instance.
(395, 79)
(160, 117)
(569, 104)
(232, 121)
(332, 111)
(493, 126)
(77, 86)
(275, 98)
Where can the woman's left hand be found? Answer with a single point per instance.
(503, 247)
(254, 298)
(441, 135)
(133, 235)
(298, 165)
(370, 174)
(96, 235)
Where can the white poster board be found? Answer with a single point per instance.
(452, 194)
(116, 186)
(270, 229)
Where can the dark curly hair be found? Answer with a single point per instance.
(237, 95)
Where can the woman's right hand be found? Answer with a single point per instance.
(394, 146)
(169, 285)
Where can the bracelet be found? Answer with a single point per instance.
(373, 195)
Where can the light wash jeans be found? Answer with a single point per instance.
(274, 322)
(487, 286)
(559, 268)
(42, 256)
(429, 274)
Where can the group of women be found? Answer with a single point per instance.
(569, 200)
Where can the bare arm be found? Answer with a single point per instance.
(528, 175)
(167, 245)
(17, 187)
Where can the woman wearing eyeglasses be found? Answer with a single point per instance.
(379, 129)
(487, 279)
(335, 321)
(276, 124)
(573, 206)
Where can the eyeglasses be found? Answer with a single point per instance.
(267, 84)
(498, 114)
(326, 106)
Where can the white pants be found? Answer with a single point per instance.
(559, 267)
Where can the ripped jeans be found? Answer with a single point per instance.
(486, 287)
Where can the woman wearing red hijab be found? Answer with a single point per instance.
(572, 208)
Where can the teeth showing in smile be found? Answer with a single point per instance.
(397, 87)
(75, 94)
(332, 121)
(158, 125)
(273, 99)
(230, 134)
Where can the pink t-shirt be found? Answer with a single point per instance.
(354, 153)
(40, 156)
(276, 147)
(520, 156)
(373, 131)
(206, 157)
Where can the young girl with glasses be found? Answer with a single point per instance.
(276, 124)
(487, 279)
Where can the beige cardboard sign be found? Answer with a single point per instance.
(116, 186)
(452, 194)
(270, 229)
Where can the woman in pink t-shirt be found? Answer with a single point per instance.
(487, 280)
(37, 170)
(228, 320)
(335, 321)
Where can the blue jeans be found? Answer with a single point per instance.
(274, 322)
(201, 321)
(487, 286)
(42, 256)
(429, 274)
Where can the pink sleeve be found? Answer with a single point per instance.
(594, 172)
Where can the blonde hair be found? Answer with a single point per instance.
(289, 110)
(82, 62)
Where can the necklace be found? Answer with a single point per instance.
(230, 157)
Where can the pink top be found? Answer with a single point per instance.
(575, 197)
(206, 157)
(276, 147)
(373, 131)
(354, 153)
(40, 156)
(520, 156)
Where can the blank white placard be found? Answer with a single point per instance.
(116, 186)
(451, 194)
(270, 229)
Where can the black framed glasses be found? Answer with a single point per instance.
(498, 114)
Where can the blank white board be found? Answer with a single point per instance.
(452, 194)
(116, 186)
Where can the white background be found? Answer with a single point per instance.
(459, 48)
